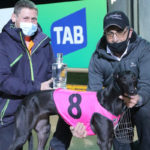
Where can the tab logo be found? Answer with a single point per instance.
(69, 34)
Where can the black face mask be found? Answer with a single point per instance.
(119, 48)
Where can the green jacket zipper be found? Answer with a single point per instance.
(29, 57)
(3, 111)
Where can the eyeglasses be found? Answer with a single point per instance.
(118, 33)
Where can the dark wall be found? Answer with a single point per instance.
(11, 3)
(77, 78)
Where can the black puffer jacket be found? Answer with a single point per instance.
(137, 59)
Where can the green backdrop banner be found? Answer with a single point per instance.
(74, 27)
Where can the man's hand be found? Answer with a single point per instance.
(46, 85)
(79, 130)
(130, 101)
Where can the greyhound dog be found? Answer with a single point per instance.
(43, 104)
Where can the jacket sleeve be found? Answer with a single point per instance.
(51, 61)
(11, 84)
(95, 75)
(144, 76)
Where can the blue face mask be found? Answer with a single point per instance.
(28, 28)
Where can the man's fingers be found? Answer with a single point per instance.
(121, 97)
(46, 85)
(79, 130)
(130, 101)
(80, 126)
(50, 81)
(71, 128)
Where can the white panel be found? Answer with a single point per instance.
(144, 19)
(5, 15)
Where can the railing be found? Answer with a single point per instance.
(77, 87)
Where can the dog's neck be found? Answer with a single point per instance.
(109, 98)
(117, 88)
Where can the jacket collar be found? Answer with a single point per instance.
(15, 34)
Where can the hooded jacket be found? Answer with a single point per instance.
(137, 59)
(20, 72)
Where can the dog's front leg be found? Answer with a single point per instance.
(21, 129)
(43, 131)
(104, 130)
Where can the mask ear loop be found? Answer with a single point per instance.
(128, 28)
(128, 39)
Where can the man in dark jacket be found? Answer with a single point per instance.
(121, 45)
(26, 58)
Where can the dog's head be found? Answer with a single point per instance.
(126, 82)
(123, 83)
